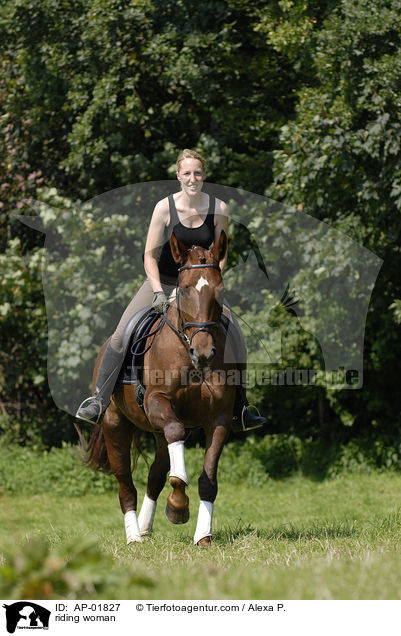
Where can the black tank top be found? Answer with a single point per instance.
(202, 236)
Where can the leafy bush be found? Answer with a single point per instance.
(59, 471)
(253, 461)
(75, 570)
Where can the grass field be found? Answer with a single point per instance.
(292, 538)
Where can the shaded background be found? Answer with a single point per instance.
(297, 101)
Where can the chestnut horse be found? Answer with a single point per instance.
(191, 340)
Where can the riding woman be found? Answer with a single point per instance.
(197, 219)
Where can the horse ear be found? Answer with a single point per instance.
(220, 247)
(179, 251)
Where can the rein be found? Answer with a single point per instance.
(145, 337)
(200, 326)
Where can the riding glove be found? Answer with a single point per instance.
(160, 302)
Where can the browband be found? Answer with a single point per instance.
(199, 266)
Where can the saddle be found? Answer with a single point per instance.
(134, 343)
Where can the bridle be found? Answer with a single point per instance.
(185, 324)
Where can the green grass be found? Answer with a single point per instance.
(292, 538)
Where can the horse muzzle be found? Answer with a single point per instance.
(202, 360)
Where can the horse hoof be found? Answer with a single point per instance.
(206, 542)
(176, 516)
(134, 540)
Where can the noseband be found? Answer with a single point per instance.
(200, 326)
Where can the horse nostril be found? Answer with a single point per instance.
(191, 351)
(212, 353)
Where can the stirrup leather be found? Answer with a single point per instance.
(94, 400)
(249, 428)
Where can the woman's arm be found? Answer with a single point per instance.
(221, 216)
(154, 242)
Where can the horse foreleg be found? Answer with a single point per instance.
(156, 480)
(118, 434)
(161, 415)
(177, 507)
(207, 484)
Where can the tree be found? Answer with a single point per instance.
(340, 161)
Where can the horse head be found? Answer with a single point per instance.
(199, 297)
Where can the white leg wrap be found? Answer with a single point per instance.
(177, 463)
(146, 516)
(131, 527)
(204, 524)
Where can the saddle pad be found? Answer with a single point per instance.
(132, 366)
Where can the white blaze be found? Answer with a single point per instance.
(201, 282)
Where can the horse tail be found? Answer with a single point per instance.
(94, 453)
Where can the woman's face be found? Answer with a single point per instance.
(191, 176)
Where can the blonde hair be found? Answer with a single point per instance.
(190, 154)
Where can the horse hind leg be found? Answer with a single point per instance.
(118, 434)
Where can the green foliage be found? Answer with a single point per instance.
(88, 271)
(110, 92)
(340, 161)
(22, 316)
(253, 462)
(75, 570)
(340, 156)
(97, 95)
(23, 352)
(297, 99)
(59, 470)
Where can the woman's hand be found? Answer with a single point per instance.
(160, 302)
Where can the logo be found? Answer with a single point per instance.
(195, 376)
(26, 615)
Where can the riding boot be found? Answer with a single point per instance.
(92, 409)
(243, 418)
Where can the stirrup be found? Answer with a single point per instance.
(95, 400)
(250, 428)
